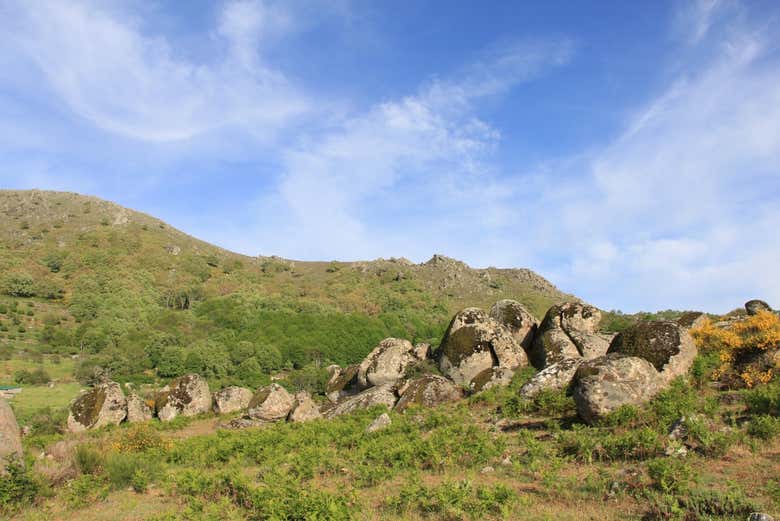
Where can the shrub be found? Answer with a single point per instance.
(453, 500)
(139, 438)
(764, 426)
(17, 488)
(764, 399)
(550, 402)
(670, 475)
(127, 469)
(89, 460)
(19, 285)
(85, 490)
(38, 376)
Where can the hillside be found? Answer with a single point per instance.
(83, 275)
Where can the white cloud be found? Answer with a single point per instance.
(104, 67)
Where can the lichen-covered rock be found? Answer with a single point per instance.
(10, 438)
(666, 345)
(138, 410)
(304, 409)
(428, 391)
(553, 377)
(569, 330)
(232, 399)
(271, 403)
(517, 319)
(342, 382)
(422, 350)
(187, 395)
(755, 306)
(475, 343)
(381, 395)
(493, 377)
(382, 422)
(603, 384)
(386, 363)
(104, 404)
(692, 320)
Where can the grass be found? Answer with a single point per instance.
(34, 398)
(62, 370)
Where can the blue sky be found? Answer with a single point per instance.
(628, 151)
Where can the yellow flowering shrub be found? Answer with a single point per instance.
(139, 438)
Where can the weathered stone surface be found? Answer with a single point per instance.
(753, 307)
(232, 399)
(104, 404)
(666, 345)
(553, 377)
(10, 438)
(568, 330)
(429, 391)
(342, 382)
(382, 422)
(304, 409)
(381, 395)
(386, 363)
(603, 384)
(187, 395)
(422, 350)
(493, 377)
(692, 320)
(474, 343)
(137, 409)
(271, 403)
(517, 319)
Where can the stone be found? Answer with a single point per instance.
(10, 438)
(666, 345)
(493, 377)
(692, 320)
(487, 470)
(381, 395)
(187, 395)
(271, 403)
(604, 384)
(553, 377)
(517, 319)
(755, 306)
(304, 409)
(386, 363)
(422, 350)
(569, 330)
(760, 516)
(428, 391)
(232, 399)
(102, 405)
(382, 422)
(138, 410)
(342, 382)
(475, 343)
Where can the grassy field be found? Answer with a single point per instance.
(36, 397)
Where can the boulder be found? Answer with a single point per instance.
(342, 382)
(755, 306)
(692, 320)
(187, 395)
(104, 404)
(232, 399)
(422, 350)
(386, 363)
(666, 345)
(382, 422)
(271, 403)
(569, 330)
(381, 395)
(475, 343)
(554, 377)
(304, 409)
(429, 391)
(517, 319)
(493, 377)
(603, 384)
(10, 438)
(138, 410)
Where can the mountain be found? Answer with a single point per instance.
(108, 281)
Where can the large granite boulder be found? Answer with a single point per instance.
(10, 438)
(604, 384)
(386, 363)
(304, 409)
(271, 403)
(666, 345)
(475, 343)
(342, 382)
(517, 319)
(692, 320)
(232, 399)
(428, 391)
(569, 330)
(187, 395)
(553, 377)
(755, 306)
(380, 395)
(104, 404)
(138, 410)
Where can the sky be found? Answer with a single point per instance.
(627, 151)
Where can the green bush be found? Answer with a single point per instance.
(453, 500)
(764, 426)
(17, 488)
(550, 402)
(670, 475)
(764, 399)
(89, 460)
(38, 376)
(85, 490)
(131, 469)
(18, 285)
